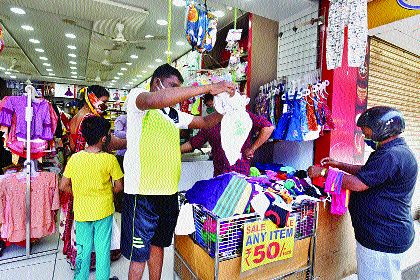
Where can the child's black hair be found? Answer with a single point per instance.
(94, 128)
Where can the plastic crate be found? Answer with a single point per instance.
(224, 237)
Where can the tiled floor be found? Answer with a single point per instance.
(55, 266)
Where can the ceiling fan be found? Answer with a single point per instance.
(16, 68)
(119, 41)
(106, 61)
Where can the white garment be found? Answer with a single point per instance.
(352, 13)
(260, 204)
(134, 130)
(375, 265)
(185, 224)
(235, 125)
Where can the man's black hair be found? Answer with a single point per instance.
(166, 71)
(94, 128)
(208, 97)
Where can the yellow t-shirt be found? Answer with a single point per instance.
(91, 176)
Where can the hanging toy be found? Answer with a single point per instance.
(192, 25)
(211, 34)
(202, 30)
(1, 40)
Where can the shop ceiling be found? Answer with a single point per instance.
(37, 46)
(404, 33)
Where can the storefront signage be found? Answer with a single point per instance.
(265, 243)
(409, 4)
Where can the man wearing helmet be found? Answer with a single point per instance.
(382, 189)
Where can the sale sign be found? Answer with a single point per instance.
(265, 243)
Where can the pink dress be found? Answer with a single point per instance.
(44, 202)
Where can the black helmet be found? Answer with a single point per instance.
(384, 122)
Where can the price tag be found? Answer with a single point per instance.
(265, 243)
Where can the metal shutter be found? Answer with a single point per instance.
(394, 80)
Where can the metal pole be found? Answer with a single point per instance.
(28, 118)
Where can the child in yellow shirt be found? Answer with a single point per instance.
(89, 175)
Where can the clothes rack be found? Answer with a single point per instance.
(30, 167)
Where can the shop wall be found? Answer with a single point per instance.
(263, 67)
(3, 89)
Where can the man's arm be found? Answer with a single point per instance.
(195, 142)
(348, 168)
(119, 128)
(116, 144)
(350, 182)
(118, 185)
(206, 122)
(264, 135)
(170, 96)
(186, 147)
(65, 185)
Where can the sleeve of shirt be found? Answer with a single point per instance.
(199, 140)
(377, 170)
(116, 172)
(68, 171)
(6, 113)
(131, 101)
(120, 127)
(259, 122)
(184, 120)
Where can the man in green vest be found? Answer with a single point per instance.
(152, 165)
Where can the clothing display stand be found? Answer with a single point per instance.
(30, 168)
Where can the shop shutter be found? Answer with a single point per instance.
(394, 80)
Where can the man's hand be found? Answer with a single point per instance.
(229, 87)
(315, 171)
(249, 153)
(329, 162)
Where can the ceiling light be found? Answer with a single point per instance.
(149, 36)
(46, 64)
(162, 22)
(158, 60)
(139, 76)
(120, 74)
(131, 83)
(168, 52)
(7, 73)
(133, 56)
(27, 27)
(2, 68)
(129, 63)
(43, 58)
(34, 41)
(123, 69)
(70, 36)
(49, 70)
(74, 73)
(144, 71)
(71, 47)
(151, 66)
(113, 81)
(73, 68)
(39, 50)
(180, 43)
(116, 78)
(219, 14)
(179, 3)
(72, 62)
(74, 77)
(13, 77)
(72, 55)
(18, 11)
(51, 74)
